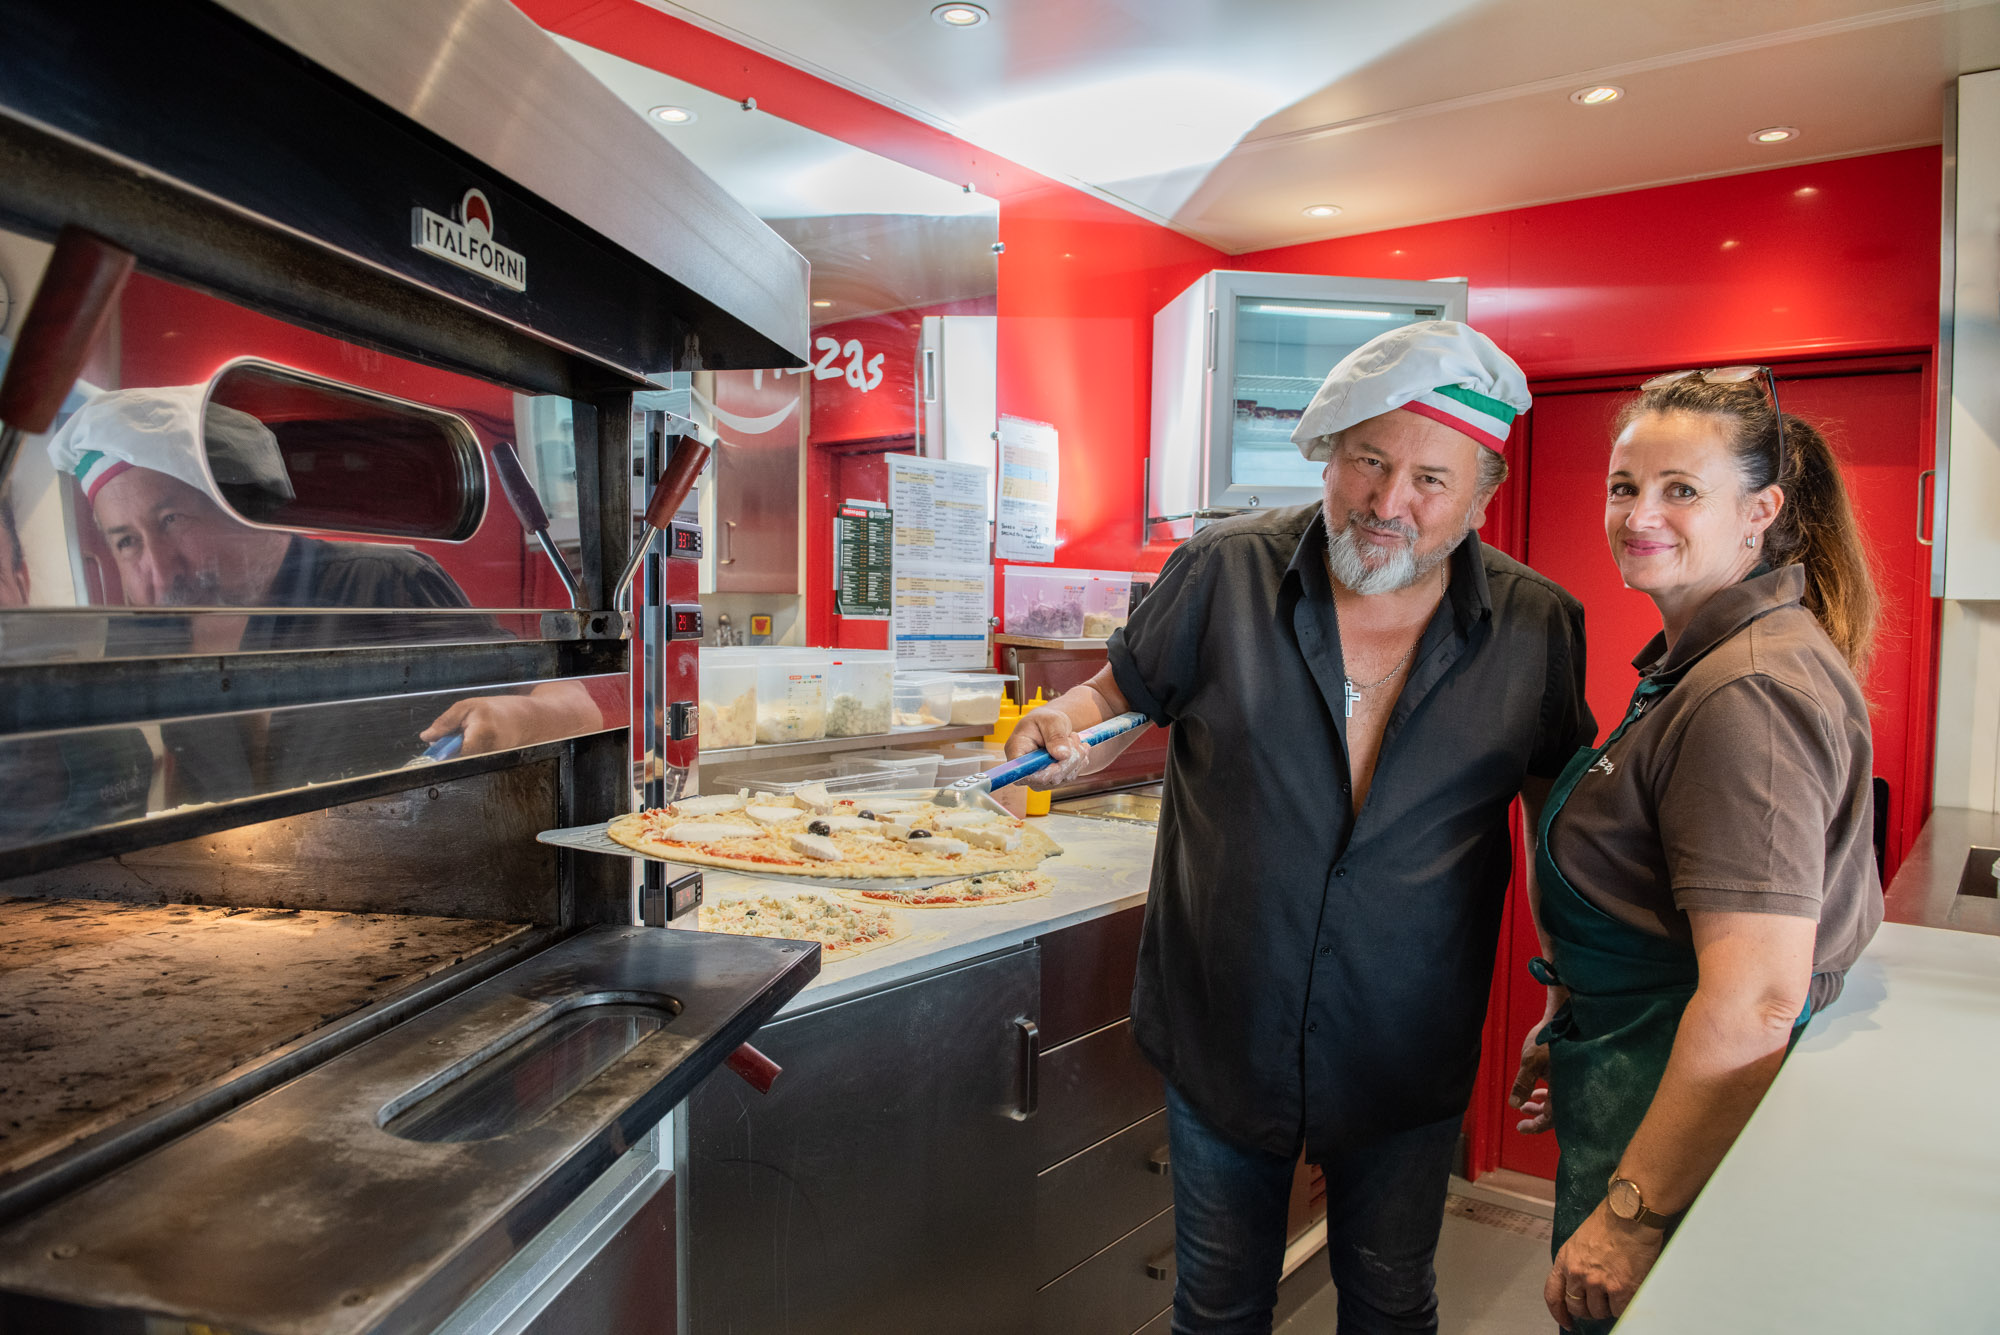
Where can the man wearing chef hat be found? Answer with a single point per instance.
(1358, 690)
(165, 473)
(158, 465)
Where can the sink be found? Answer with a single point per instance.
(1982, 873)
(1140, 807)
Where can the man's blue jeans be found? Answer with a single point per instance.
(1384, 1209)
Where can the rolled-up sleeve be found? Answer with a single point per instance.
(1747, 803)
(1155, 655)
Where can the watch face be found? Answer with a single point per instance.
(1623, 1198)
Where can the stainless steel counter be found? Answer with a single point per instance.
(1925, 893)
(1105, 866)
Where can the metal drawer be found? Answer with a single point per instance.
(1087, 975)
(1116, 1291)
(1093, 1087)
(1086, 1203)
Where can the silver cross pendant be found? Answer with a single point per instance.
(1351, 697)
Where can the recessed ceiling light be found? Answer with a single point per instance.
(673, 115)
(1597, 95)
(960, 15)
(1321, 210)
(822, 303)
(1776, 134)
(1806, 191)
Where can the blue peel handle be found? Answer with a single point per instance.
(1035, 761)
(445, 747)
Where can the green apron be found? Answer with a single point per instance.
(1608, 1046)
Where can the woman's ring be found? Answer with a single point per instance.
(1574, 1295)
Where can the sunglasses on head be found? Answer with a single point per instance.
(1729, 375)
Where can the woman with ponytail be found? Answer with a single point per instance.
(1705, 877)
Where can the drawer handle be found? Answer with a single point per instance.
(1160, 1161)
(1031, 1070)
(1161, 1266)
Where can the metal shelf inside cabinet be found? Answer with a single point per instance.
(1037, 642)
(874, 741)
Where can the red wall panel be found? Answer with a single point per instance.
(1829, 258)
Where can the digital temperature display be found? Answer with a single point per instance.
(684, 540)
(686, 621)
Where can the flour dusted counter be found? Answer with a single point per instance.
(964, 1138)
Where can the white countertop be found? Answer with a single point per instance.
(1105, 866)
(1864, 1195)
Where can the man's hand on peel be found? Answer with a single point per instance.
(494, 723)
(1048, 729)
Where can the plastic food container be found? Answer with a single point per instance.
(922, 765)
(976, 696)
(791, 696)
(860, 691)
(1047, 604)
(922, 699)
(728, 699)
(1107, 599)
(962, 762)
(840, 779)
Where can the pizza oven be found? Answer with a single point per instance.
(332, 574)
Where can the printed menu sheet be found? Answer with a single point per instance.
(943, 580)
(863, 539)
(1030, 470)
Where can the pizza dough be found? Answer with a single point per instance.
(1000, 887)
(842, 930)
(811, 834)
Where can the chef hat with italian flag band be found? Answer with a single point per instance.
(1447, 371)
(172, 430)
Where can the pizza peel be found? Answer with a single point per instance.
(973, 791)
(597, 839)
(975, 786)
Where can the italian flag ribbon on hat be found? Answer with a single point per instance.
(94, 468)
(1484, 419)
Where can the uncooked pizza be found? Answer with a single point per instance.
(809, 833)
(841, 929)
(1000, 887)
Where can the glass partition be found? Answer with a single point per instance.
(214, 467)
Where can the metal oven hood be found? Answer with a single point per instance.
(283, 152)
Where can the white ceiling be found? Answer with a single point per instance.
(880, 236)
(1224, 120)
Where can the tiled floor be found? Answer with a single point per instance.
(1491, 1262)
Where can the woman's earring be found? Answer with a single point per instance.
(1750, 541)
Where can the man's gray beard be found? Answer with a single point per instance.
(201, 589)
(1402, 569)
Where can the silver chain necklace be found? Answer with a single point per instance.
(1351, 693)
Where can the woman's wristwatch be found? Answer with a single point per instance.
(1626, 1201)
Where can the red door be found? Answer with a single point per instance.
(1876, 412)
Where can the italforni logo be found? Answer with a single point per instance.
(467, 241)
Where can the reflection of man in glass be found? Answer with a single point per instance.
(83, 779)
(150, 461)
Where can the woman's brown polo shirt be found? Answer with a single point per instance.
(1744, 788)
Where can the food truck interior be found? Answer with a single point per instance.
(431, 430)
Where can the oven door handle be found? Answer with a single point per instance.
(757, 1070)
